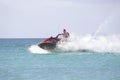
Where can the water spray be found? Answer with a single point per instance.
(101, 26)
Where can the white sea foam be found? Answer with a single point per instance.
(89, 43)
(37, 50)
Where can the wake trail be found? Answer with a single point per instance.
(109, 43)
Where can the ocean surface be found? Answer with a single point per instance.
(19, 62)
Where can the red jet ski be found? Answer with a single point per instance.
(49, 43)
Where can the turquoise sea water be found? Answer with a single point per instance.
(17, 63)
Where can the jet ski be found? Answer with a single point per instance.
(49, 43)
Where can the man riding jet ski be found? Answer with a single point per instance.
(50, 43)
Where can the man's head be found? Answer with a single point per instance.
(64, 30)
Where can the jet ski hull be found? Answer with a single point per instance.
(47, 46)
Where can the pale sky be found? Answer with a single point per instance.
(44, 18)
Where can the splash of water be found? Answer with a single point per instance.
(110, 43)
(37, 50)
(104, 24)
(88, 43)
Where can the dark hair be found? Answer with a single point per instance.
(64, 30)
